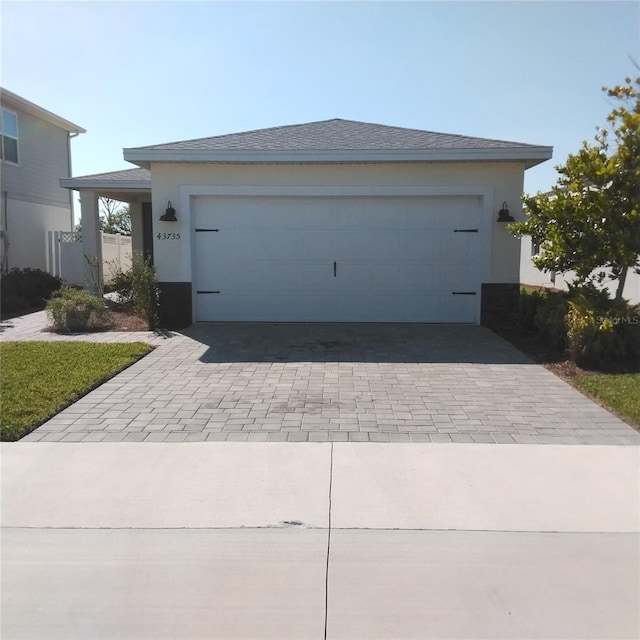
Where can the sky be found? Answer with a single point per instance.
(140, 73)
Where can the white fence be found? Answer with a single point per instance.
(66, 260)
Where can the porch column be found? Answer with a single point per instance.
(91, 241)
(136, 226)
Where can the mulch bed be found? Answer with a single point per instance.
(553, 359)
(540, 352)
(120, 319)
(126, 320)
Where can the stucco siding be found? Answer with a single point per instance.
(503, 179)
(43, 159)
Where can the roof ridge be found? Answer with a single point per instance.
(290, 129)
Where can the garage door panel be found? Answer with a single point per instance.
(317, 214)
(457, 246)
(423, 219)
(461, 306)
(425, 308)
(320, 245)
(388, 246)
(356, 216)
(423, 247)
(352, 278)
(425, 278)
(397, 259)
(373, 308)
(386, 216)
(354, 246)
(317, 278)
(388, 278)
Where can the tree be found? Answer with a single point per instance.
(114, 218)
(591, 218)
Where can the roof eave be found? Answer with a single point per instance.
(530, 155)
(79, 184)
(11, 99)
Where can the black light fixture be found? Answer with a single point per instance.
(504, 215)
(169, 215)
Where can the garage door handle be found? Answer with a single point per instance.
(334, 269)
(216, 230)
(463, 293)
(465, 231)
(207, 292)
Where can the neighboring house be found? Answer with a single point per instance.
(35, 154)
(531, 275)
(327, 221)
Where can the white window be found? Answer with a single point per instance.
(9, 147)
(535, 249)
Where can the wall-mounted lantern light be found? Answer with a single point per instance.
(169, 215)
(504, 215)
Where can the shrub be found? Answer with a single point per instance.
(549, 318)
(597, 298)
(75, 310)
(606, 340)
(139, 286)
(25, 289)
(530, 301)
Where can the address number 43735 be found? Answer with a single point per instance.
(168, 236)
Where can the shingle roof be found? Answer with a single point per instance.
(125, 175)
(335, 135)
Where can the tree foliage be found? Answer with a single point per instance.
(591, 218)
(114, 217)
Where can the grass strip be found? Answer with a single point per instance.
(39, 379)
(619, 393)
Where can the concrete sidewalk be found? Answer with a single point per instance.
(252, 540)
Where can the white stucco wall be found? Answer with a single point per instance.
(505, 179)
(529, 274)
(27, 224)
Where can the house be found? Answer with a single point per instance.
(531, 275)
(332, 221)
(35, 154)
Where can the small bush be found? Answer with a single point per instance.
(549, 319)
(605, 340)
(597, 298)
(530, 301)
(76, 310)
(25, 289)
(139, 286)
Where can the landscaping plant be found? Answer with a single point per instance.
(602, 339)
(26, 289)
(591, 219)
(72, 309)
(139, 287)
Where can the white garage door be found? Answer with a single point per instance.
(337, 259)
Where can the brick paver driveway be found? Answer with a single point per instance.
(331, 382)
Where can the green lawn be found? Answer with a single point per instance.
(41, 378)
(618, 392)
